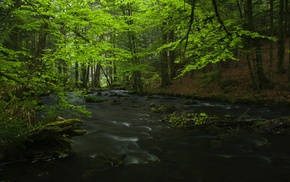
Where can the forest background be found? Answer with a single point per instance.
(234, 50)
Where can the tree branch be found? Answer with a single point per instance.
(190, 26)
(219, 17)
(16, 5)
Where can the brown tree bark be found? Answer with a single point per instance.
(263, 82)
(77, 74)
(137, 83)
(281, 38)
(97, 76)
(164, 60)
(271, 43)
(41, 43)
(172, 69)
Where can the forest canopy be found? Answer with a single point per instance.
(57, 46)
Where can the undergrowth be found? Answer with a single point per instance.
(187, 119)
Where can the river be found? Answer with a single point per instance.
(123, 127)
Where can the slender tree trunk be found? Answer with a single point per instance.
(165, 79)
(171, 57)
(271, 43)
(287, 26)
(77, 74)
(251, 72)
(111, 71)
(97, 76)
(93, 64)
(263, 81)
(281, 38)
(84, 76)
(41, 44)
(87, 75)
(289, 65)
(106, 76)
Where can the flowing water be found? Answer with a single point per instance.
(123, 127)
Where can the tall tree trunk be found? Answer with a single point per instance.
(84, 76)
(289, 65)
(281, 38)
(41, 44)
(137, 82)
(87, 76)
(111, 73)
(62, 70)
(251, 72)
(287, 26)
(165, 79)
(171, 57)
(97, 76)
(263, 81)
(255, 42)
(136, 74)
(77, 74)
(93, 66)
(271, 43)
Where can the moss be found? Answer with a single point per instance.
(164, 109)
(93, 98)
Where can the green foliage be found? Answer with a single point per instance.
(41, 42)
(179, 121)
(188, 119)
(20, 110)
(12, 135)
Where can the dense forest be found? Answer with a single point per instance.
(52, 47)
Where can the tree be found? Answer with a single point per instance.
(281, 36)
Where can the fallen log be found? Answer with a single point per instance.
(56, 134)
(51, 140)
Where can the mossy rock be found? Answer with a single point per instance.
(45, 139)
(190, 102)
(164, 109)
(93, 98)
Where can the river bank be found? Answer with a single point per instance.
(232, 90)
